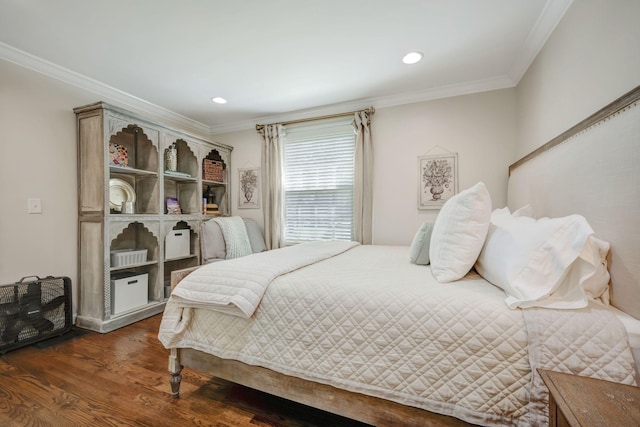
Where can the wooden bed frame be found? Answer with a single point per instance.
(360, 407)
(356, 406)
(370, 410)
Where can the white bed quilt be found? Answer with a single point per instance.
(236, 287)
(371, 322)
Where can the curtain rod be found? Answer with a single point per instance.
(369, 110)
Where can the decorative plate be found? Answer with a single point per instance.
(120, 191)
(118, 155)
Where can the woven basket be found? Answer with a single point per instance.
(212, 170)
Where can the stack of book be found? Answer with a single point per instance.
(178, 174)
(211, 209)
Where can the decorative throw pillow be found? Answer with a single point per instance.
(255, 235)
(419, 250)
(212, 245)
(545, 262)
(459, 233)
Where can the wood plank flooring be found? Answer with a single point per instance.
(121, 379)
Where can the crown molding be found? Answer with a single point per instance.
(449, 91)
(103, 91)
(551, 15)
(493, 83)
(548, 20)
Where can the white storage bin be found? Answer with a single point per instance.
(125, 257)
(177, 244)
(128, 291)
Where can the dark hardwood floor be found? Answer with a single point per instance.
(121, 379)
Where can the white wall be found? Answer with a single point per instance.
(38, 134)
(480, 128)
(592, 58)
(247, 146)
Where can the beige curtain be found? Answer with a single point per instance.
(363, 188)
(272, 147)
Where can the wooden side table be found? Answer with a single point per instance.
(579, 401)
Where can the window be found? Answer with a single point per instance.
(318, 181)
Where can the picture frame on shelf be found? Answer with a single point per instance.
(437, 179)
(250, 188)
(118, 155)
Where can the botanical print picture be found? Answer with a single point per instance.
(249, 194)
(438, 180)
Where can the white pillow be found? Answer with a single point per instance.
(542, 263)
(213, 247)
(419, 250)
(596, 285)
(459, 233)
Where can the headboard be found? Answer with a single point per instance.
(593, 169)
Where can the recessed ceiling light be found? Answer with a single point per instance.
(412, 57)
(219, 100)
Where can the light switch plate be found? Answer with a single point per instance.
(34, 206)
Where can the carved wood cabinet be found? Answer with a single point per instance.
(129, 171)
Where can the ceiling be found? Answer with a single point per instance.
(278, 59)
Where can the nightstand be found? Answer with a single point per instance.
(579, 401)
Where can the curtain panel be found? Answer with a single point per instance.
(363, 182)
(272, 146)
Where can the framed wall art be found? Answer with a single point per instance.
(437, 179)
(249, 194)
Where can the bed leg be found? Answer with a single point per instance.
(175, 376)
(174, 380)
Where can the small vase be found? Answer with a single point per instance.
(171, 158)
(436, 192)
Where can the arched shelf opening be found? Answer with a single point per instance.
(131, 147)
(215, 178)
(134, 238)
(185, 162)
(182, 245)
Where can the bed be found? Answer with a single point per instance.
(362, 332)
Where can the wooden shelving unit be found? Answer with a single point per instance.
(103, 130)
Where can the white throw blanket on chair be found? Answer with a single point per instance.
(235, 236)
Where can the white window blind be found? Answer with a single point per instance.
(318, 181)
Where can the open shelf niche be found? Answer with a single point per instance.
(133, 158)
(217, 187)
(141, 152)
(182, 183)
(135, 236)
(189, 259)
